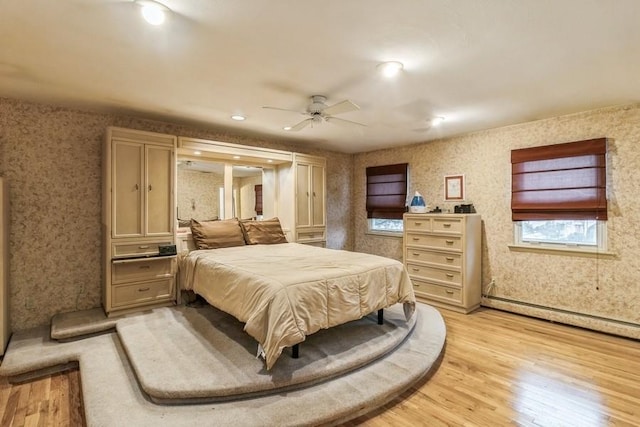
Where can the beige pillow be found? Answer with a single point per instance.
(265, 232)
(216, 234)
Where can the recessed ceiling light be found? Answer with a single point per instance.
(197, 153)
(287, 128)
(436, 121)
(153, 12)
(238, 117)
(236, 157)
(390, 68)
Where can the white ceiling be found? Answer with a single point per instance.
(479, 63)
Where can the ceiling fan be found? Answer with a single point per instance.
(318, 111)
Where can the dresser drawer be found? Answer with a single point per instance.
(434, 241)
(447, 276)
(132, 270)
(446, 225)
(430, 290)
(133, 249)
(142, 293)
(417, 224)
(431, 257)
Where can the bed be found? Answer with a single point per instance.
(286, 291)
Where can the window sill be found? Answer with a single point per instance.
(562, 251)
(397, 235)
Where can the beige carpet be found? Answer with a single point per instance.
(217, 359)
(112, 396)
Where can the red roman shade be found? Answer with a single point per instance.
(561, 181)
(387, 191)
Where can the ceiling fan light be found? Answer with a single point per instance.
(391, 68)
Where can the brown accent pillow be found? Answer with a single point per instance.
(216, 234)
(266, 232)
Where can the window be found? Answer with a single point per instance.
(386, 197)
(558, 197)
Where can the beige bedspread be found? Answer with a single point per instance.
(284, 292)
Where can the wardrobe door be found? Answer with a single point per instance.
(303, 195)
(317, 193)
(159, 203)
(127, 186)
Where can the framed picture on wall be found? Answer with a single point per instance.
(454, 187)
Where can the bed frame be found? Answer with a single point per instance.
(295, 350)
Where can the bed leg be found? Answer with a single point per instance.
(295, 351)
(381, 317)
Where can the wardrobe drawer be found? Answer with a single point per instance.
(431, 257)
(310, 235)
(131, 270)
(444, 242)
(441, 275)
(142, 293)
(133, 249)
(430, 290)
(446, 225)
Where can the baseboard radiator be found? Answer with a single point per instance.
(588, 321)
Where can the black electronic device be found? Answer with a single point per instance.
(164, 250)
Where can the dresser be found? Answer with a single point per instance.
(139, 205)
(442, 253)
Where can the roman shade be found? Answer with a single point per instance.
(561, 181)
(387, 191)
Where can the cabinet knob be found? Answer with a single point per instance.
(150, 187)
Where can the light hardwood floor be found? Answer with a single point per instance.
(497, 369)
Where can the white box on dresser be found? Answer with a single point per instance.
(442, 253)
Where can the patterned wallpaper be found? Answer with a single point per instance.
(601, 287)
(51, 157)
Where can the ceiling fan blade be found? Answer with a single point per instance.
(303, 124)
(340, 107)
(344, 122)
(283, 109)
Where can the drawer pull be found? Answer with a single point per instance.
(418, 223)
(449, 242)
(416, 238)
(415, 269)
(416, 254)
(145, 266)
(449, 259)
(446, 225)
(144, 289)
(143, 247)
(449, 275)
(449, 292)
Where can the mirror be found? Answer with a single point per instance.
(201, 191)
